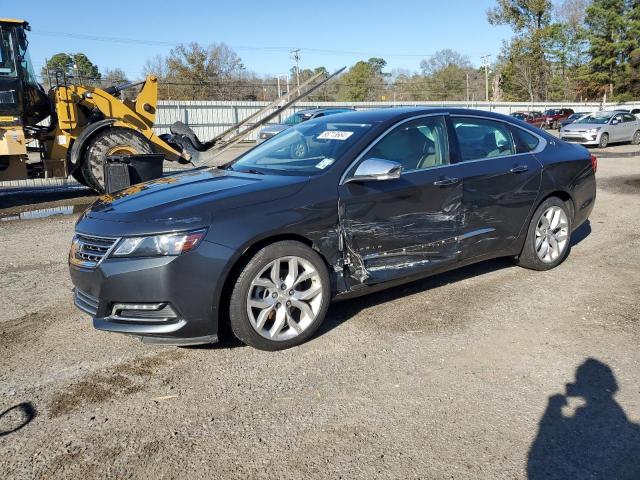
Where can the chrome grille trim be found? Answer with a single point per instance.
(85, 302)
(87, 251)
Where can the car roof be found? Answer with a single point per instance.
(318, 110)
(377, 115)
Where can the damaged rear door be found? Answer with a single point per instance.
(399, 227)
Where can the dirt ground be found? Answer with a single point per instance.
(463, 375)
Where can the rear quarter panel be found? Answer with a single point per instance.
(567, 168)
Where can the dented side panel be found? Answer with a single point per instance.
(400, 227)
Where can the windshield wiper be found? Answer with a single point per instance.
(251, 170)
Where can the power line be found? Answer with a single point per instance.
(164, 43)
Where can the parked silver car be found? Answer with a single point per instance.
(601, 128)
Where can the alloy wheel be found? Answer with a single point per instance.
(285, 298)
(552, 234)
(604, 140)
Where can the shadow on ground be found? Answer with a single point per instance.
(16, 417)
(596, 440)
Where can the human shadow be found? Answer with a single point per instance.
(597, 441)
(16, 417)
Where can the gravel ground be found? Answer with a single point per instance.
(463, 375)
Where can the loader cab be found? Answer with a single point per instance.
(21, 95)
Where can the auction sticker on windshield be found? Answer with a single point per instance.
(325, 163)
(334, 135)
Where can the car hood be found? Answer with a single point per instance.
(277, 128)
(183, 201)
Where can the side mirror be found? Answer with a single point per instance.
(615, 121)
(376, 169)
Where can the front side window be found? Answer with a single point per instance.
(305, 149)
(416, 145)
(482, 138)
(7, 58)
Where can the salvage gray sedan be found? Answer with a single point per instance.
(601, 128)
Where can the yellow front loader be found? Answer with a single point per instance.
(86, 124)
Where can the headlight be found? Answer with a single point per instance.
(159, 245)
(593, 130)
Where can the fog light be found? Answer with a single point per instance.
(143, 312)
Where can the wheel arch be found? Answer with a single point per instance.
(562, 195)
(241, 261)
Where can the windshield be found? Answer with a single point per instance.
(306, 149)
(7, 63)
(552, 112)
(599, 118)
(520, 116)
(294, 119)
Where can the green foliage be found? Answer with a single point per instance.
(363, 82)
(73, 65)
(526, 70)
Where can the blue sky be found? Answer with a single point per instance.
(330, 33)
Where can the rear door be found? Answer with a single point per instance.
(501, 181)
(630, 123)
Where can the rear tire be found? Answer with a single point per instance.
(548, 237)
(635, 140)
(281, 297)
(107, 142)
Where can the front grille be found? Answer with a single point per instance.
(88, 251)
(8, 97)
(86, 302)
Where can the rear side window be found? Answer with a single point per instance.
(482, 138)
(525, 141)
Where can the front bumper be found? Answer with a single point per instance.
(583, 138)
(189, 285)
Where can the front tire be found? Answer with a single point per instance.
(281, 297)
(604, 140)
(635, 140)
(548, 237)
(107, 142)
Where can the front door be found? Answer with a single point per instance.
(397, 228)
(501, 183)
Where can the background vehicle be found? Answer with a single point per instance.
(384, 197)
(602, 128)
(533, 118)
(298, 117)
(572, 118)
(554, 116)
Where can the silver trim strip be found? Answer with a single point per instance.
(474, 233)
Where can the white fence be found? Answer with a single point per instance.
(209, 118)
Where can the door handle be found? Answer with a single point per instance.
(519, 169)
(446, 181)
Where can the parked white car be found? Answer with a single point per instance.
(601, 128)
